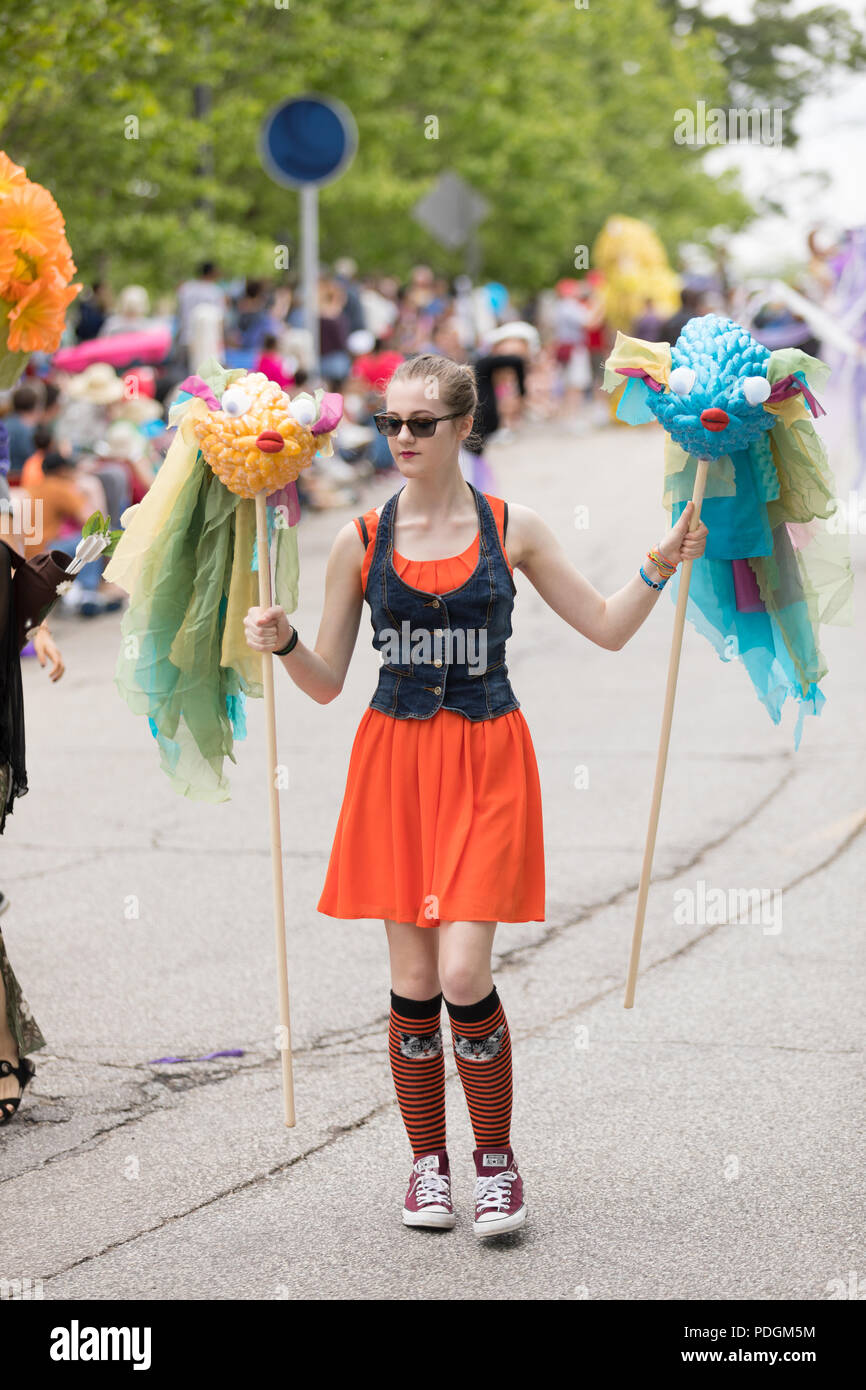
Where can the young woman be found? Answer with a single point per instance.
(440, 831)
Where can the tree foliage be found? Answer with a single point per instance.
(557, 115)
(779, 56)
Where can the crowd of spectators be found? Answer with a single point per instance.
(88, 431)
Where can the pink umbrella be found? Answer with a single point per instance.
(119, 349)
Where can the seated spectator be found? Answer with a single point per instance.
(346, 275)
(31, 473)
(87, 397)
(691, 306)
(446, 338)
(64, 510)
(64, 506)
(92, 311)
(124, 450)
(132, 314)
(335, 361)
(252, 317)
(203, 288)
(378, 366)
(272, 364)
(51, 405)
(20, 424)
(649, 324)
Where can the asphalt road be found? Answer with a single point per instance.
(706, 1144)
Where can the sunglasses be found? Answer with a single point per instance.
(419, 426)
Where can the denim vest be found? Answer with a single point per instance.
(442, 651)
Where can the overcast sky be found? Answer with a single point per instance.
(832, 129)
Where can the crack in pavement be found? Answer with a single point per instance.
(199, 851)
(342, 1041)
(505, 957)
(335, 1132)
(698, 940)
(89, 858)
(313, 855)
(133, 1113)
(514, 953)
(744, 1047)
(326, 1042)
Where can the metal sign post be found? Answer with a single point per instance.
(306, 142)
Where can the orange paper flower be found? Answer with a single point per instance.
(36, 321)
(58, 258)
(36, 267)
(11, 175)
(30, 218)
(9, 263)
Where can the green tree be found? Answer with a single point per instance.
(558, 116)
(778, 57)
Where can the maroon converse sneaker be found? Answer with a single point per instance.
(428, 1201)
(499, 1204)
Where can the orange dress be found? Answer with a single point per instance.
(441, 817)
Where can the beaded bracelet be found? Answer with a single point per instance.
(665, 568)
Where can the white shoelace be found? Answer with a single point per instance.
(494, 1191)
(432, 1187)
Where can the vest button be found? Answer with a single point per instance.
(437, 690)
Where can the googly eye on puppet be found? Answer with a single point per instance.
(235, 401)
(744, 416)
(303, 409)
(682, 379)
(756, 389)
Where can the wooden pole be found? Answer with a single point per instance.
(664, 740)
(265, 601)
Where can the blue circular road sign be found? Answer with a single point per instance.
(307, 140)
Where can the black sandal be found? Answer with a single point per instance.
(24, 1071)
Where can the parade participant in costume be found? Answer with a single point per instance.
(444, 754)
(507, 349)
(36, 269)
(19, 1032)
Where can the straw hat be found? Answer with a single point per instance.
(139, 409)
(122, 440)
(98, 383)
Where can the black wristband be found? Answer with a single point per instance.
(290, 646)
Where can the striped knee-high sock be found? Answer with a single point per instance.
(482, 1051)
(418, 1069)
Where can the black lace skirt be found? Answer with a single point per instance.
(22, 1024)
(13, 775)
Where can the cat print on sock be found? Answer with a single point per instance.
(479, 1049)
(420, 1047)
